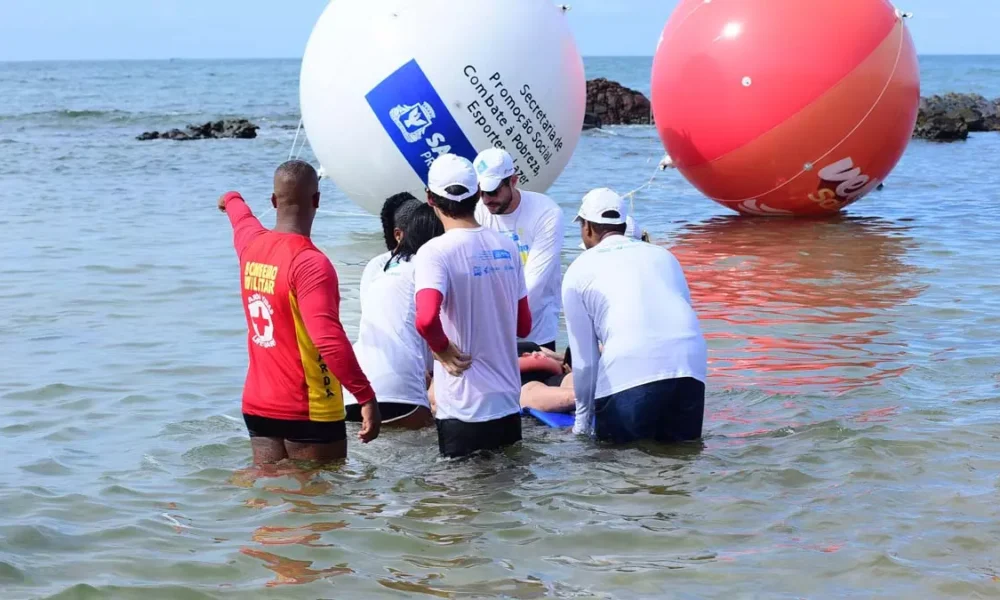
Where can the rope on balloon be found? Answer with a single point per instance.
(292, 154)
(666, 163)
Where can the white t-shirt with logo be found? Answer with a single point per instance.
(633, 298)
(482, 280)
(390, 351)
(536, 227)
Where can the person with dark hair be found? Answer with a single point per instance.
(391, 352)
(390, 213)
(396, 210)
(535, 223)
(639, 356)
(300, 357)
(472, 305)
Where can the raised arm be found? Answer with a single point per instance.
(246, 227)
(316, 287)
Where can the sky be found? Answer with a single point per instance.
(160, 29)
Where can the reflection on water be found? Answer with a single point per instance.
(799, 306)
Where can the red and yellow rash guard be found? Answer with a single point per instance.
(299, 353)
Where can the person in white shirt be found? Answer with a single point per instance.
(392, 354)
(471, 307)
(631, 299)
(535, 224)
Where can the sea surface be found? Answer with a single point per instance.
(852, 443)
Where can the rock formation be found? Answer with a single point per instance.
(610, 103)
(953, 116)
(226, 128)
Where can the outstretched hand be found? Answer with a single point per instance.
(453, 360)
(222, 201)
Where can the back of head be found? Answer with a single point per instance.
(420, 227)
(453, 187)
(460, 209)
(395, 209)
(296, 184)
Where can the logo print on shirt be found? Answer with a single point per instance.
(261, 320)
(522, 249)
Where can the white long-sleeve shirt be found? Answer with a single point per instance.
(536, 226)
(632, 297)
(390, 351)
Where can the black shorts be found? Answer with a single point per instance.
(301, 432)
(458, 438)
(390, 411)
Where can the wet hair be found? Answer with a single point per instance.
(391, 213)
(453, 209)
(420, 227)
(601, 229)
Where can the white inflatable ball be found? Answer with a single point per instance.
(389, 85)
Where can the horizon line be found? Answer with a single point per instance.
(292, 58)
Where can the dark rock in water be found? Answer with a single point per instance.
(591, 121)
(226, 128)
(953, 116)
(978, 113)
(942, 119)
(175, 134)
(614, 104)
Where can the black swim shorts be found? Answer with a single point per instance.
(301, 432)
(458, 438)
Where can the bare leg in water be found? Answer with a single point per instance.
(275, 450)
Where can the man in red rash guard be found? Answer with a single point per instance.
(472, 304)
(299, 353)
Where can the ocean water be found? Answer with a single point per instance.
(852, 444)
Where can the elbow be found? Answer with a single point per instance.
(523, 318)
(424, 325)
(524, 327)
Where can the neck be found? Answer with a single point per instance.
(291, 220)
(607, 235)
(514, 202)
(459, 223)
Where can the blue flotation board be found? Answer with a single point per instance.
(557, 420)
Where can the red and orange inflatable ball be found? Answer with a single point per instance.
(785, 107)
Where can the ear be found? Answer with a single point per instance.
(430, 199)
(274, 200)
(398, 234)
(514, 180)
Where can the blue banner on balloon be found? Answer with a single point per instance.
(417, 119)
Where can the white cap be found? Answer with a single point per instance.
(493, 165)
(600, 201)
(448, 170)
